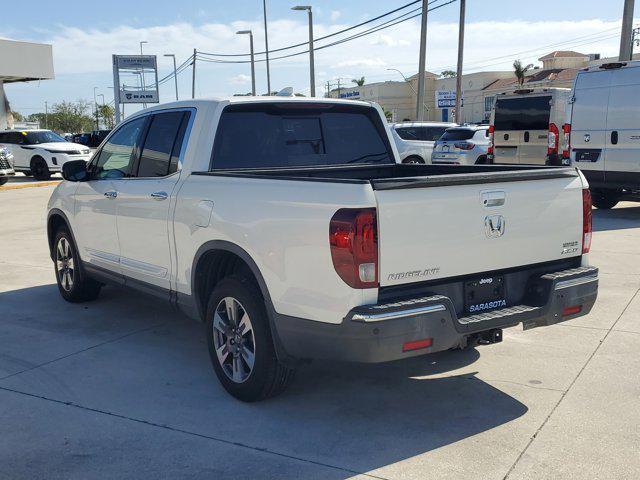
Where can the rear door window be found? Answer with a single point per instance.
(430, 134)
(162, 144)
(291, 134)
(526, 113)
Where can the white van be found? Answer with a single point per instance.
(526, 126)
(603, 123)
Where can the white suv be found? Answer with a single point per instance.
(41, 152)
(466, 145)
(415, 140)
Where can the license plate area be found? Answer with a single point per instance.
(484, 294)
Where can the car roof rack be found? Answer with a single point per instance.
(613, 65)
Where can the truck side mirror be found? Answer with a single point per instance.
(75, 171)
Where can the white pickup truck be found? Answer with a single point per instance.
(286, 226)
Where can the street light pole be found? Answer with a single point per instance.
(459, 69)
(253, 65)
(421, 63)
(266, 45)
(46, 115)
(95, 106)
(144, 105)
(311, 59)
(175, 73)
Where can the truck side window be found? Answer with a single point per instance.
(116, 157)
(162, 145)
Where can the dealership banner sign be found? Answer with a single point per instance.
(135, 80)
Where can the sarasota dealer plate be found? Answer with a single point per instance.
(484, 294)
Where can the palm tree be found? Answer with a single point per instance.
(358, 81)
(520, 71)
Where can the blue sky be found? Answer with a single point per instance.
(498, 31)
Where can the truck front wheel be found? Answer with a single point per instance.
(240, 342)
(605, 199)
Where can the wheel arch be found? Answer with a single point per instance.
(217, 259)
(56, 218)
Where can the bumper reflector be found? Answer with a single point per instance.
(417, 344)
(571, 310)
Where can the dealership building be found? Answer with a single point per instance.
(479, 90)
(21, 62)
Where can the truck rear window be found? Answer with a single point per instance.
(458, 134)
(293, 135)
(526, 113)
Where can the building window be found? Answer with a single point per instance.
(488, 103)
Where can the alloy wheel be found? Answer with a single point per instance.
(233, 339)
(64, 264)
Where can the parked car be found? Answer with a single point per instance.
(97, 136)
(6, 166)
(464, 145)
(288, 228)
(41, 152)
(82, 138)
(603, 131)
(526, 126)
(415, 140)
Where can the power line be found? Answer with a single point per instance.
(317, 39)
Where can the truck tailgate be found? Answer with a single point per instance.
(445, 227)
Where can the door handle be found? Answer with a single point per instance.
(614, 137)
(159, 195)
(526, 137)
(111, 194)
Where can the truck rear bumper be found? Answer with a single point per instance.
(386, 332)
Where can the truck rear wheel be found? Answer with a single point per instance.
(605, 199)
(413, 159)
(240, 342)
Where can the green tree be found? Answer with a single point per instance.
(17, 116)
(447, 74)
(520, 71)
(107, 113)
(72, 117)
(358, 81)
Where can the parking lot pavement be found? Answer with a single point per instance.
(122, 388)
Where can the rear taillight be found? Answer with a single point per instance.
(353, 238)
(566, 132)
(490, 149)
(552, 139)
(587, 221)
(464, 145)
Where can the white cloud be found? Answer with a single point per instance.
(389, 41)
(362, 62)
(240, 79)
(335, 15)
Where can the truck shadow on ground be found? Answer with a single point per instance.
(139, 360)
(616, 219)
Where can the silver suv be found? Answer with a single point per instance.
(464, 145)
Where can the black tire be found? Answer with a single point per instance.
(482, 160)
(3, 180)
(604, 199)
(267, 376)
(413, 159)
(40, 169)
(73, 283)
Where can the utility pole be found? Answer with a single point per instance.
(421, 63)
(193, 76)
(266, 45)
(95, 106)
(46, 115)
(459, 69)
(626, 33)
(338, 87)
